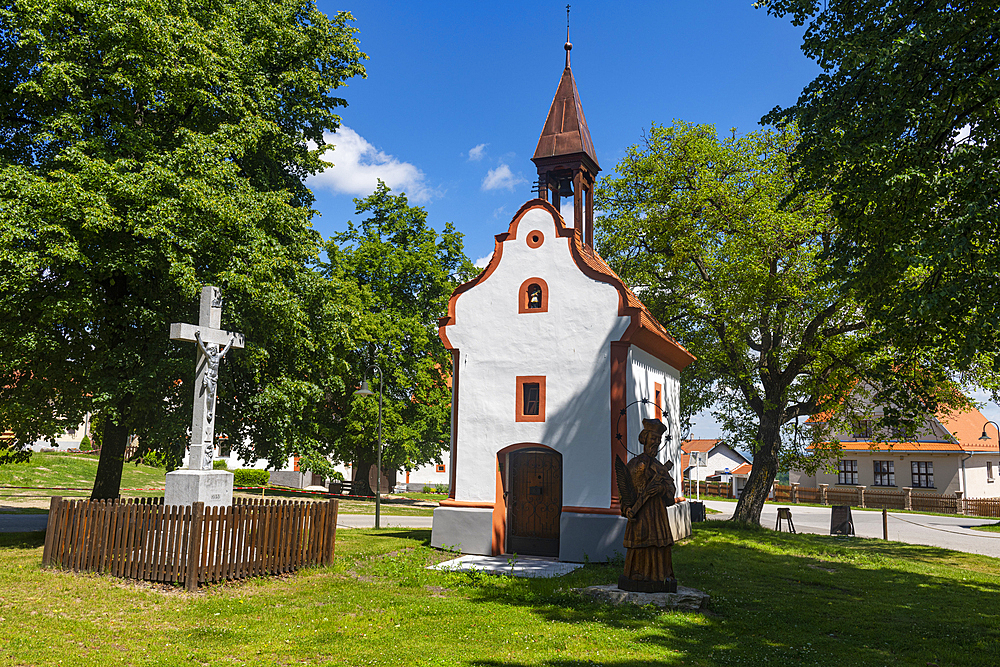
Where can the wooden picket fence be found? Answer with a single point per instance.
(893, 499)
(144, 539)
(718, 489)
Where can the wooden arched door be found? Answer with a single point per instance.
(534, 501)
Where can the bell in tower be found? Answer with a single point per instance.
(565, 156)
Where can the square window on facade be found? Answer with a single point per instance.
(885, 474)
(922, 474)
(847, 472)
(530, 398)
(440, 467)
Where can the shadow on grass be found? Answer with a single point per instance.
(31, 540)
(787, 599)
(422, 535)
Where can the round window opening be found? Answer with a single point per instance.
(535, 239)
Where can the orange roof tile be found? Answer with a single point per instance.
(741, 469)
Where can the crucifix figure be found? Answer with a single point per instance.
(213, 343)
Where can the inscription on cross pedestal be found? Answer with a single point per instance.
(213, 343)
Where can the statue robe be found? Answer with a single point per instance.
(647, 534)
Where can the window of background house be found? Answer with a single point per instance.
(440, 467)
(885, 475)
(989, 471)
(861, 428)
(71, 433)
(922, 473)
(847, 472)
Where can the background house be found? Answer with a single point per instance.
(945, 456)
(723, 464)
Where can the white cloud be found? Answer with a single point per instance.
(358, 166)
(483, 261)
(477, 153)
(501, 178)
(497, 212)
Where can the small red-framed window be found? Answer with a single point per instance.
(535, 239)
(533, 296)
(530, 398)
(658, 400)
(440, 467)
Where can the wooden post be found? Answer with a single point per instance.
(50, 529)
(331, 531)
(194, 545)
(885, 524)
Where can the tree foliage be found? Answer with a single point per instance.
(903, 126)
(405, 272)
(148, 148)
(735, 267)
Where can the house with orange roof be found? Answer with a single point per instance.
(722, 463)
(946, 456)
(555, 362)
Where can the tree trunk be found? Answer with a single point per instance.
(362, 464)
(114, 441)
(765, 468)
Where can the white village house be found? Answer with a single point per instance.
(722, 463)
(945, 456)
(552, 357)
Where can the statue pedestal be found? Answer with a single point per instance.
(212, 487)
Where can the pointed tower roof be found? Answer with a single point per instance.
(565, 132)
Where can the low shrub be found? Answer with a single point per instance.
(441, 488)
(312, 462)
(85, 445)
(251, 477)
(428, 489)
(219, 464)
(336, 476)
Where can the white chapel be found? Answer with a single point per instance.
(555, 364)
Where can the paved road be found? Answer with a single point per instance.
(930, 530)
(368, 521)
(24, 523)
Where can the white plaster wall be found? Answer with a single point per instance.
(569, 344)
(644, 371)
(977, 484)
(946, 470)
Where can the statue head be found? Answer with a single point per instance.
(651, 434)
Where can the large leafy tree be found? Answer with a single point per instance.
(707, 231)
(148, 148)
(903, 125)
(405, 272)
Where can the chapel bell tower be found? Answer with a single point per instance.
(565, 156)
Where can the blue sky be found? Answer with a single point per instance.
(457, 93)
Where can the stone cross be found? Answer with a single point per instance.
(213, 344)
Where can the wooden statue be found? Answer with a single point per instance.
(646, 490)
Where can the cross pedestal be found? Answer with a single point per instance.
(199, 482)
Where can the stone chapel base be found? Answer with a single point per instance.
(186, 487)
(582, 536)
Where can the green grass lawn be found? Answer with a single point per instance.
(72, 470)
(990, 528)
(777, 599)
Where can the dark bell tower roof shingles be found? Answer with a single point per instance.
(565, 131)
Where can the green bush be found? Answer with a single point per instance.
(336, 476)
(312, 462)
(85, 445)
(428, 488)
(441, 488)
(251, 477)
(219, 464)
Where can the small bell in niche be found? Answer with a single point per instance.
(534, 296)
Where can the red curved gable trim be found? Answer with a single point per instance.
(644, 331)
